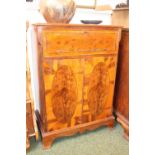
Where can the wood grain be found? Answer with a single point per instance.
(98, 89)
(77, 69)
(68, 41)
(64, 94)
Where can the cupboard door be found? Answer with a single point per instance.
(63, 82)
(99, 80)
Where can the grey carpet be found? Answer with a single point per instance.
(103, 141)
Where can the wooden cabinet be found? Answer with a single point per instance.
(122, 84)
(76, 73)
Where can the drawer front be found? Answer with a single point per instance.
(79, 42)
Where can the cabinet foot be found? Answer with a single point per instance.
(126, 133)
(111, 124)
(125, 124)
(47, 143)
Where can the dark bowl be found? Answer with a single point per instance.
(91, 21)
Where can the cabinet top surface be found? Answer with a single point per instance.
(75, 26)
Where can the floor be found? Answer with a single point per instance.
(103, 141)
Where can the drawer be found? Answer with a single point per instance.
(78, 42)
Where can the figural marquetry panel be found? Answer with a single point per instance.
(63, 87)
(76, 73)
(98, 85)
(98, 89)
(64, 94)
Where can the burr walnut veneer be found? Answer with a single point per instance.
(76, 72)
(122, 83)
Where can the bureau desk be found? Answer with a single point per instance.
(76, 73)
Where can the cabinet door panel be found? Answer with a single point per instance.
(63, 81)
(78, 90)
(99, 77)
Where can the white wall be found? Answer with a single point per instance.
(91, 14)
